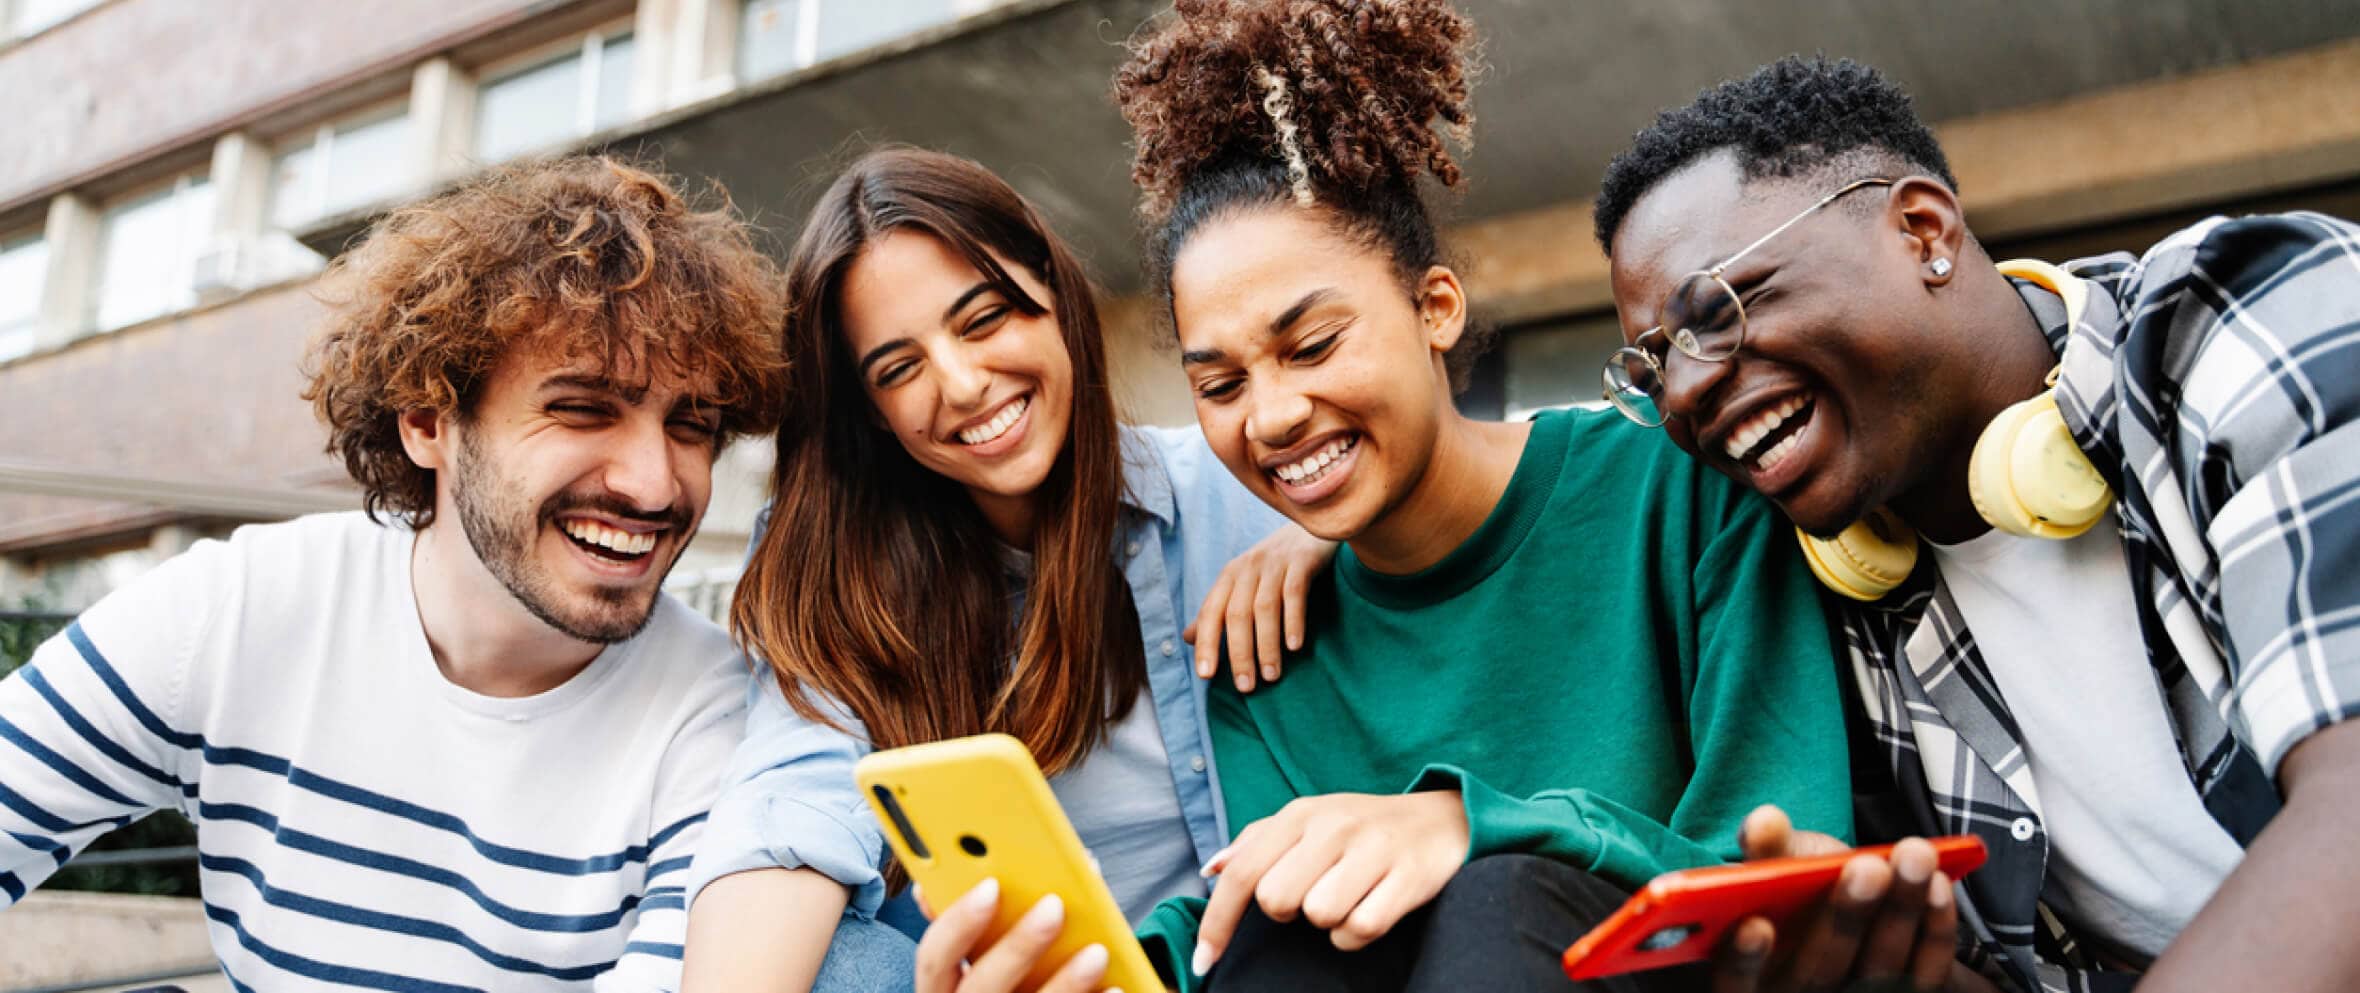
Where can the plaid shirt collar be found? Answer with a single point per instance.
(1952, 757)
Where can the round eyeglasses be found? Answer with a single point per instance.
(1702, 317)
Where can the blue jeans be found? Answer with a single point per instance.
(868, 957)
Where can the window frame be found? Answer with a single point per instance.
(185, 297)
(320, 139)
(589, 47)
(13, 240)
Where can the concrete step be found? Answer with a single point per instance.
(53, 939)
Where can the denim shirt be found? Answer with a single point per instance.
(789, 800)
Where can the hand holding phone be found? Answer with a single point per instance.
(975, 824)
(1682, 917)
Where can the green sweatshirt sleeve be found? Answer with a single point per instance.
(1169, 936)
(1573, 826)
(1765, 705)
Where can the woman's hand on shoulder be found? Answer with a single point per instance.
(1350, 864)
(1256, 607)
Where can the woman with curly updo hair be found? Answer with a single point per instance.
(1554, 658)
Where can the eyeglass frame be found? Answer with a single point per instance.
(1613, 395)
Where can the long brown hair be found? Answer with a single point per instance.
(878, 582)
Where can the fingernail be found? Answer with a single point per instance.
(1294, 641)
(1214, 865)
(1204, 667)
(1860, 887)
(1940, 898)
(1201, 962)
(1092, 959)
(1270, 672)
(1751, 941)
(1911, 871)
(1046, 913)
(985, 894)
(1244, 682)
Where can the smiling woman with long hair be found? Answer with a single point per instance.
(963, 539)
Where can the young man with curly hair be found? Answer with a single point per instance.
(2088, 530)
(462, 740)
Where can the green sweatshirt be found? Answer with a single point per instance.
(1625, 659)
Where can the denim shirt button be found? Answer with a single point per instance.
(1131, 549)
(2022, 830)
(1169, 648)
(1196, 763)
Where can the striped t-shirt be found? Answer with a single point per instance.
(364, 822)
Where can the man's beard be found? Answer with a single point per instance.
(502, 532)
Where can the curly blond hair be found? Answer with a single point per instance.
(573, 257)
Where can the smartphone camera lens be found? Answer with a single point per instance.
(901, 821)
(1668, 938)
(972, 845)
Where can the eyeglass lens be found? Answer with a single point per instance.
(1703, 318)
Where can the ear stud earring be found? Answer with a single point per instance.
(1942, 267)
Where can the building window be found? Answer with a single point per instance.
(1557, 364)
(341, 166)
(24, 264)
(148, 252)
(583, 89)
(29, 16)
(776, 36)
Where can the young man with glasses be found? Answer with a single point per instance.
(2149, 659)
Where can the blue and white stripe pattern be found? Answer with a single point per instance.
(362, 822)
(2215, 382)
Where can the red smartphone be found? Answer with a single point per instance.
(1680, 917)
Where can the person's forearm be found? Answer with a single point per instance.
(767, 930)
(2282, 921)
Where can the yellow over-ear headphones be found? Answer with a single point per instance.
(2026, 477)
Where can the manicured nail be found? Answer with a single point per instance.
(984, 896)
(1270, 673)
(1294, 641)
(1046, 914)
(1940, 898)
(1214, 865)
(1201, 962)
(1245, 683)
(1204, 667)
(1092, 960)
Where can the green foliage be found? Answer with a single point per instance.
(19, 636)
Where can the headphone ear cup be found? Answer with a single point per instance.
(1866, 560)
(2028, 478)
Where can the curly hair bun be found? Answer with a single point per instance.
(1344, 92)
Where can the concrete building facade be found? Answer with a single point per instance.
(173, 174)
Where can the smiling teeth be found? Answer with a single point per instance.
(992, 429)
(605, 537)
(1315, 464)
(1759, 426)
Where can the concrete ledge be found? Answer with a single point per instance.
(61, 939)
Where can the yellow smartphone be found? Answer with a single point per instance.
(960, 811)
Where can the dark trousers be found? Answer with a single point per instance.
(1501, 924)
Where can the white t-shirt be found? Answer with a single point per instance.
(362, 820)
(2133, 853)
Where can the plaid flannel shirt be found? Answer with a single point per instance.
(2215, 383)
